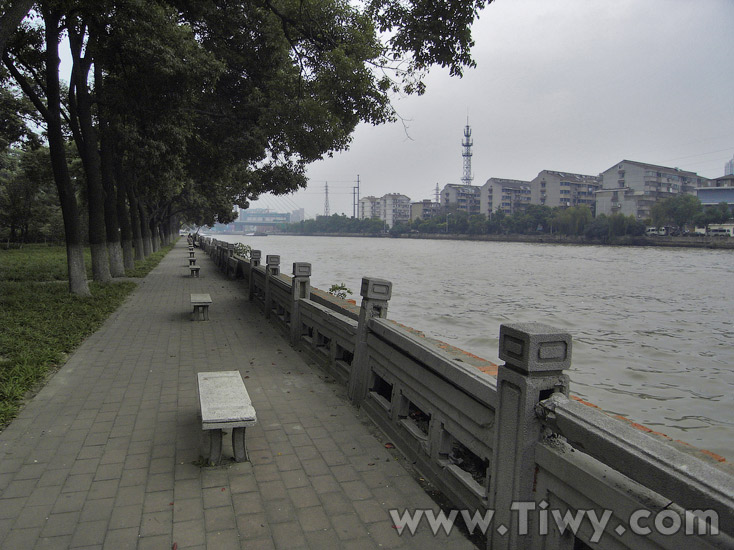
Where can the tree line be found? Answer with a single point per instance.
(579, 221)
(175, 110)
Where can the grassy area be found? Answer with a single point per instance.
(41, 322)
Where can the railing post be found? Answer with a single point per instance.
(375, 295)
(230, 250)
(300, 289)
(255, 256)
(272, 268)
(535, 357)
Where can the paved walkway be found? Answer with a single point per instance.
(107, 454)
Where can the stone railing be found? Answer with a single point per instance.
(513, 445)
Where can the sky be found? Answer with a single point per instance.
(567, 85)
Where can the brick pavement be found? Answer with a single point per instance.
(107, 454)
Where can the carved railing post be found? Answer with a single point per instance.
(255, 256)
(300, 289)
(272, 269)
(230, 250)
(375, 295)
(535, 357)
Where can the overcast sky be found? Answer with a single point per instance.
(567, 85)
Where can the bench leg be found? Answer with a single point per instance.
(205, 310)
(239, 445)
(215, 447)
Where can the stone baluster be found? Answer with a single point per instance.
(272, 269)
(300, 290)
(255, 256)
(535, 357)
(375, 295)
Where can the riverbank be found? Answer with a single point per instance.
(42, 322)
(719, 243)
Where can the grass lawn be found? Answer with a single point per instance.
(41, 322)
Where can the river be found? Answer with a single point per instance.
(652, 328)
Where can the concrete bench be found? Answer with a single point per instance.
(225, 404)
(201, 303)
(194, 270)
(192, 261)
(191, 252)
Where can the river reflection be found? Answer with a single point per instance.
(652, 328)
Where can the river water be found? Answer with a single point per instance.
(652, 328)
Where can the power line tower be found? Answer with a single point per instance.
(326, 199)
(467, 178)
(355, 199)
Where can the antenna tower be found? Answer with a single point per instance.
(326, 199)
(467, 178)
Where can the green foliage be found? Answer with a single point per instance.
(340, 291)
(42, 323)
(244, 250)
(680, 210)
(338, 223)
(29, 210)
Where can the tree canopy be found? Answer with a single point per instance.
(181, 108)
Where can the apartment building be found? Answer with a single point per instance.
(424, 209)
(460, 197)
(564, 189)
(369, 207)
(632, 188)
(394, 208)
(509, 196)
(391, 208)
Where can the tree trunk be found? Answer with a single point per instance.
(155, 235)
(145, 229)
(112, 224)
(123, 216)
(67, 196)
(87, 143)
(136, 223)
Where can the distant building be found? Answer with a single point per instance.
(729, 168)
(394, 208)
(391, 208)
(510, 196)
(369, 207)
(425, 209)
(460, 197)
(298, 215)
(721, 190)
(564, 189)
(632, 188)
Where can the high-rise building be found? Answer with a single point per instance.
(729, 168)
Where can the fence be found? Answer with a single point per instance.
(555, 472)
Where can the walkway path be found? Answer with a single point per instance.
(107, 454)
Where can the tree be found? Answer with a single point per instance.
(34, 65)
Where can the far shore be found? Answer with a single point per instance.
(701, 241)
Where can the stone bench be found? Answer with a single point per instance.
(201, 303)
(225, 404)
(191, 252)
(194, 270)
(192, 261)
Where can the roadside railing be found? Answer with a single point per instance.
(549, 471)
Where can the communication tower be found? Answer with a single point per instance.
(467, 178)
